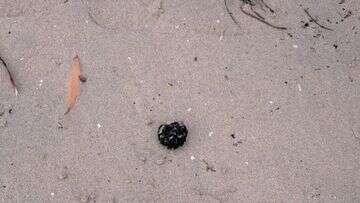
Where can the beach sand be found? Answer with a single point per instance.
(273, 115)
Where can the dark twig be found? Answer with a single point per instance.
(267, 6)
(262, 20)
(230, 14)
(10, 76)
(315, 21)
(256, 13)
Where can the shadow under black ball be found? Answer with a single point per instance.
(172, 135)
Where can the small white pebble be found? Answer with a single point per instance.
(86, 21)
(246, 163)
(218, 21)
(129, 58)
(192, 158)
(271, 102)
(221, 37)
(211, 133)
(98, 125)
(295, 46)
(299, 87)
(189, 109)
(187, 40)
(52, 194)
(177, 26)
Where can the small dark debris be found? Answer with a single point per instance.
(172, 135)
(315, 196)
(276, 109)
(233, 136)
(60, 125)
(9, 32)
(306, 25)
(317, 69)
(150, 122)
(335, 46)
(208, 167)
(290, 35)
(195, 58)
(226, 77)
(10, 111)
(318, 35)
(237, 143)
(82, 78)
(170, 84)
(351, 79)
(286, 82)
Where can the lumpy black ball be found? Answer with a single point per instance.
(172, 135)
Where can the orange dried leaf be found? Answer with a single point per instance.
(73, 83)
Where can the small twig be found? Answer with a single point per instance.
(315, 21)
(256, 13)
(10, 76)
(261, 20)
(267, 6)
(230, 14)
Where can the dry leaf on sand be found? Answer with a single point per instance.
(74, 83)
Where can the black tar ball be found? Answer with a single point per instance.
(172, 135)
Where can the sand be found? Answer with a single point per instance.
(273, 115)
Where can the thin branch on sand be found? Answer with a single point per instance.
(261, 19)
(312, 19)
(230, 14)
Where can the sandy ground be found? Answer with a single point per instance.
(273, 116)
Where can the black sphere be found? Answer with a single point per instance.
(172, 135)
